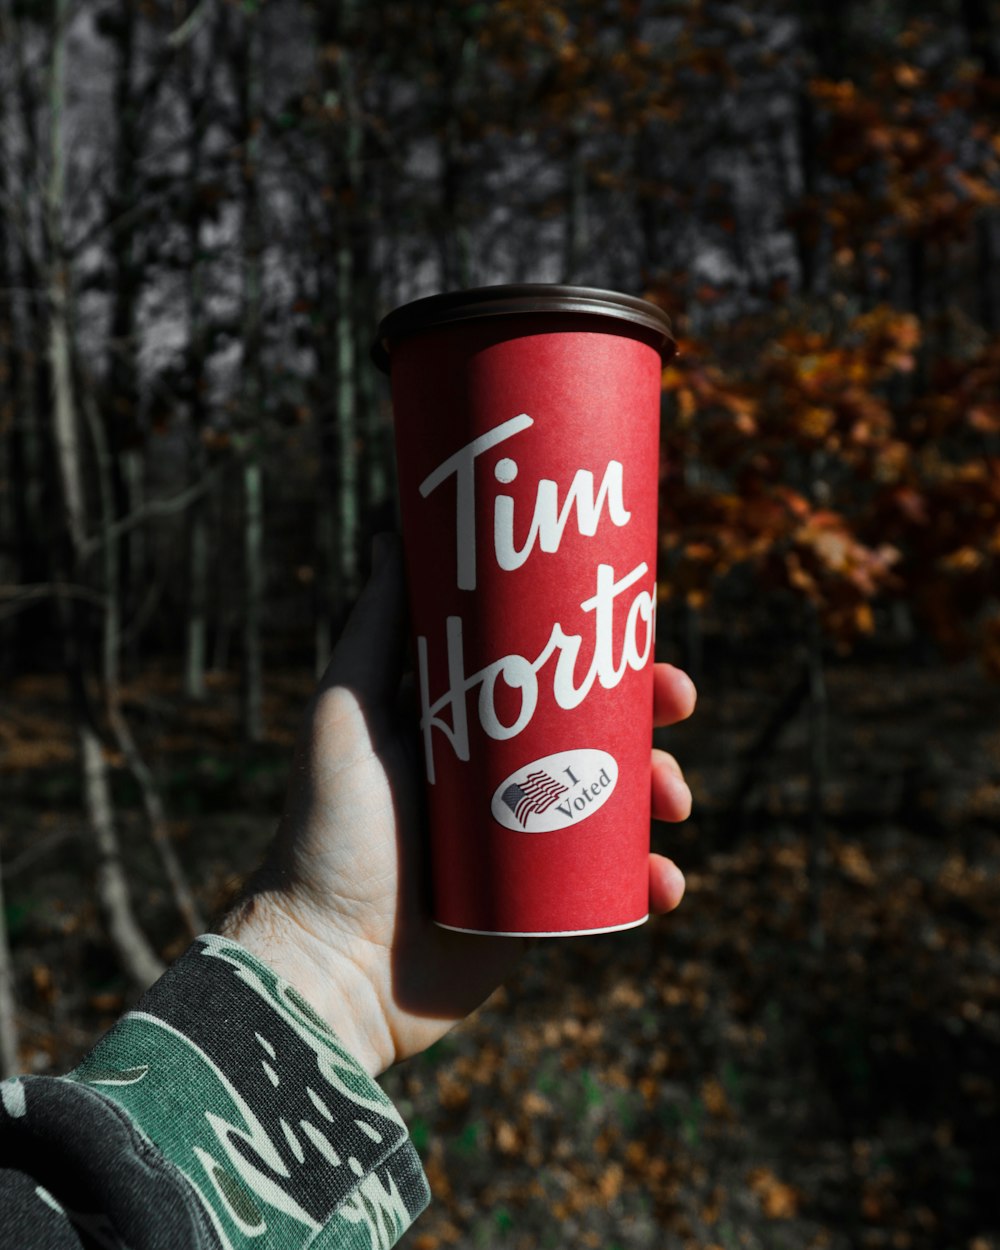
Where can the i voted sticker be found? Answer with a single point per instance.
(555, 791)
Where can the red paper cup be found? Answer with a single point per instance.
(527, 438)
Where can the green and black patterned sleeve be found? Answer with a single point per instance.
(221, 1113)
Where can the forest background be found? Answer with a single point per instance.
(205, 208)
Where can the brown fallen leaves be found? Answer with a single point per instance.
(778, 1200)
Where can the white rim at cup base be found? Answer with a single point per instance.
(613, 928)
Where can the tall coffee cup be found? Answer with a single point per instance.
(527, 439)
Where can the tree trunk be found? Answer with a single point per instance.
(252, 397)
(337, 501)
(648, 207)
(826, 31)
(222, 506)
(9, 1063)
(253, 586)
(152, 802)
(982, 44)
(373, 483)
(135, 954)
(694, 638)
(347, 402)
(576, 205)
(196, 634)
(63, 409)
(28, 376)
(133, 951)
(12, 500)
(122, 408)
(456, 243)
(377, 432)
(347, 452)
(807, 229)
(753, 765)
(979, 32)
(196, 630)
(989, 283)
(323, 628)
(818, 759)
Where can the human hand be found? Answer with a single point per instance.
(340, 904)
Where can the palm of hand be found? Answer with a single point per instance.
(353, 831)
(341, 904)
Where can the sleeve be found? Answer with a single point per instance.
(220, 1114)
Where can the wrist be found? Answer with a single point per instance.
(332, 981)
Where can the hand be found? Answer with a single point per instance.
(339, 906)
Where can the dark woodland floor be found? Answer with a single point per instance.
(716, 1078)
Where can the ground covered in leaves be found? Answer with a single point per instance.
(785, 1062)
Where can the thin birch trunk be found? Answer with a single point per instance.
(347, 454)
(196, 627)
(196, 630)
(123, 371)
(196, 634)
(324, 528)
(337, 510)
(220, 509)
(111, 641)
(134, 952)
(9, 1062)
(325, 544)
(19, 159)
(253, 567)
(135, 571)
(11, 500)
(40, 528)
(29, 523)
(376, 431)
(156, 816)
(347, 431)
(66, 434)
(253, 501)
(136, 955)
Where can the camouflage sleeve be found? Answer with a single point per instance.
(221, 1113)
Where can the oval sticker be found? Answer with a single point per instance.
(555, 791)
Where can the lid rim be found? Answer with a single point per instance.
(517, 299)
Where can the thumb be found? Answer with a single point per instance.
(369, 654)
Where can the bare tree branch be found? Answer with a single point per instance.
(187, 30)
(155, 507)
(39, 849)
(47, 590)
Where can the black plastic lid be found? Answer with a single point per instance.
(516, 299)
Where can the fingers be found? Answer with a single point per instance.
(368, 657)
(666, 884)
(671, 801)
(674, 695)
(671, 794)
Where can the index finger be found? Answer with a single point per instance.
(674, 695)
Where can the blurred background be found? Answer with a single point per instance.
(205, 208)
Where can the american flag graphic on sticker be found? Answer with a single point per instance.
(535, 794)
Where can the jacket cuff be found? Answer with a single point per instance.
(244, 1088)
